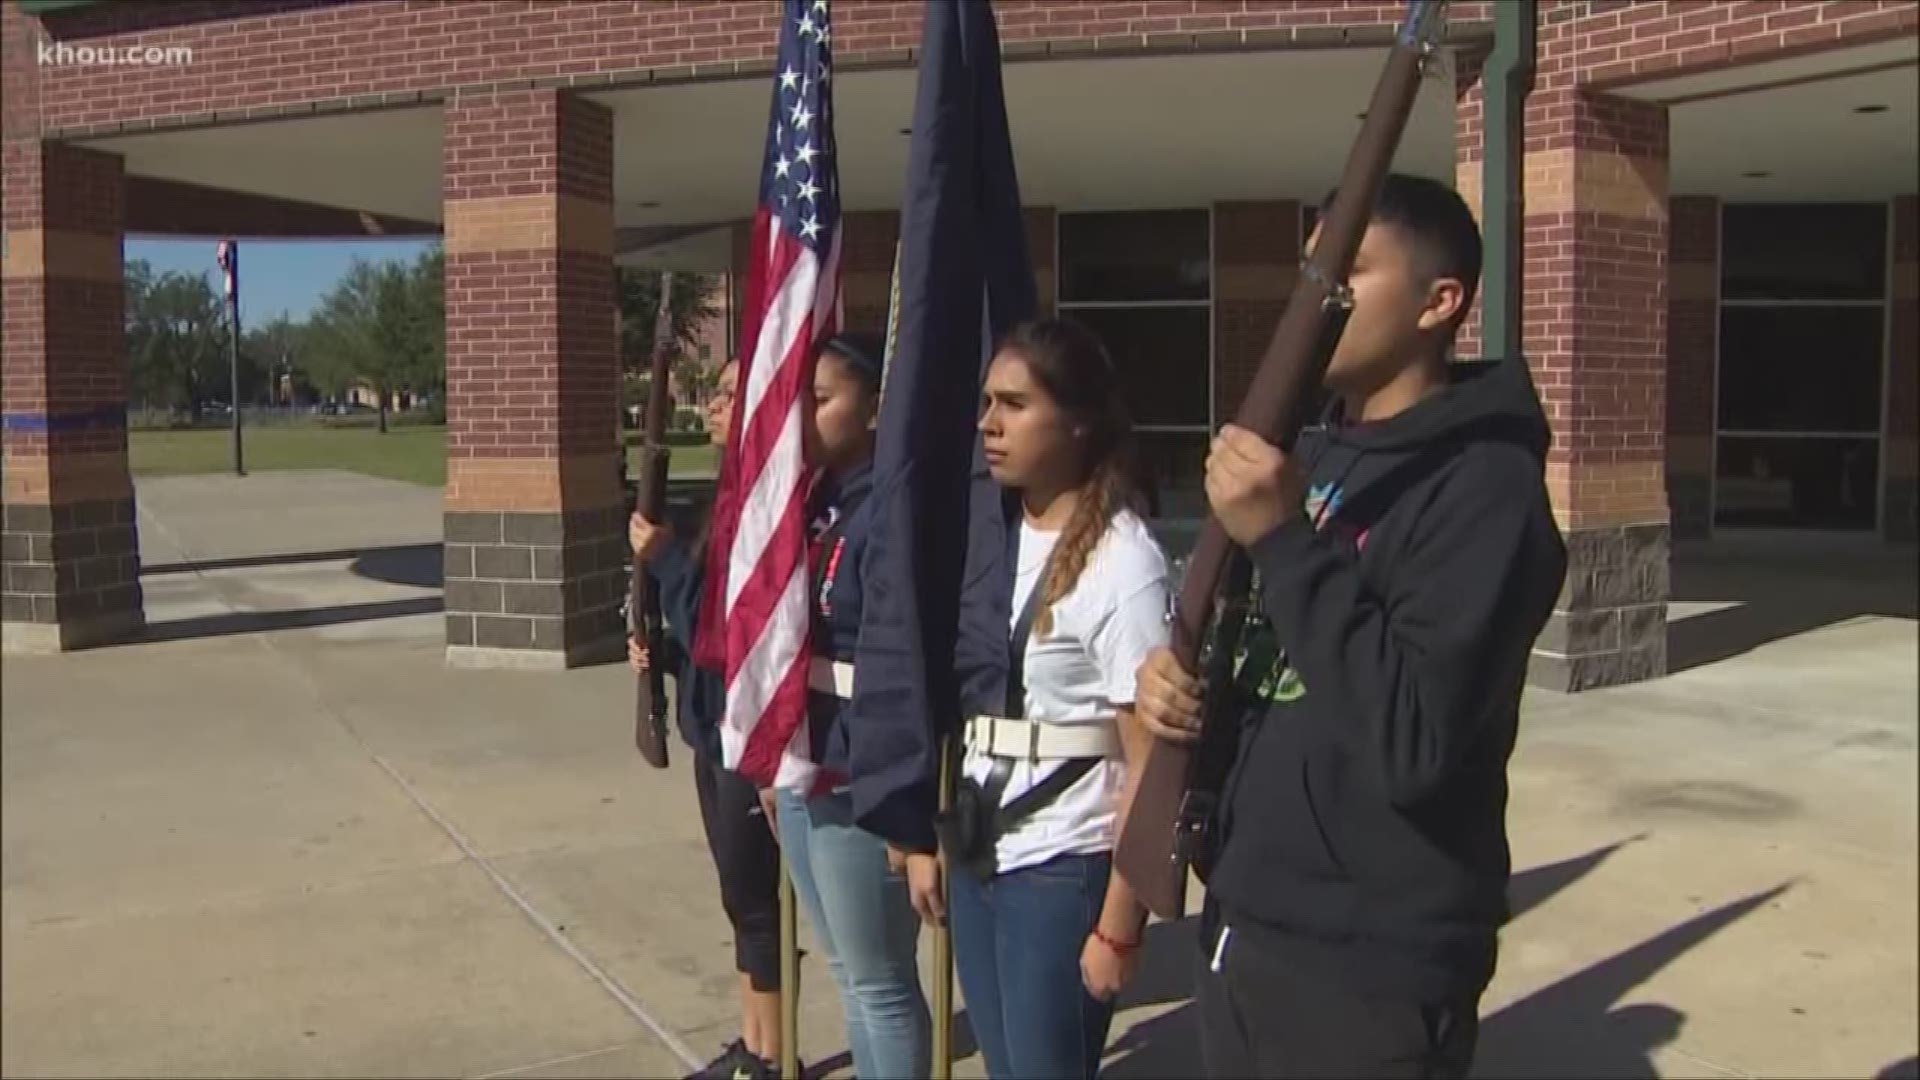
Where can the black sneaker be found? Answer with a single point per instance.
(736, 1062)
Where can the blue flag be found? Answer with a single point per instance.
(939, 526)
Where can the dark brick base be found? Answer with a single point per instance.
(535, 590)
(1610, 624)
(1690, 504)
(72, 575)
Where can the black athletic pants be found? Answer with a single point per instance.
(748, 860)
(1261, 1015)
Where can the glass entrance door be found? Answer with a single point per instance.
(1803, 340)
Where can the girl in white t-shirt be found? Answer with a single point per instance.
(1045, 941)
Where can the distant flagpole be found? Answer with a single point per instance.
(228, 256)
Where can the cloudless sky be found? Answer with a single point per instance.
(276, 277)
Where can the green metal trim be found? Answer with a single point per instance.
(1506, 80)
(42, 7)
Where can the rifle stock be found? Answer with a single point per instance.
(1148, 854)
(650, 711)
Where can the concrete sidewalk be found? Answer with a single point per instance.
(282, 838)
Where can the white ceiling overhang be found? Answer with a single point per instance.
(1106, 133)
(1088, 134)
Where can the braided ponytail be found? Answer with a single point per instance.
(1105, 494)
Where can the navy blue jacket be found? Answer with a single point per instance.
(839, 515)
(1364, 822)
(700, 696)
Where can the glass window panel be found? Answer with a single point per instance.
(1161, 355)
(1144, 255)
(1801, 368)
(1175, 464)
(1803, 483)
(1776, 251)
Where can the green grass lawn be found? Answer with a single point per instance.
(415, 454)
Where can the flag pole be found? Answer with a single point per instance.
(943, 939)
(228, 256)
(789, 978)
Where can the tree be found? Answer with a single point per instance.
(274, 351)
(383, 325)
(639, 299)
(428, 277)
(176, 339)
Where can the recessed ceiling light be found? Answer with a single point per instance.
(1757, 174)
(1870, 108)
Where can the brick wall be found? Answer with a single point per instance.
(866, 259)
(19, 74)
(68, 549)
(255, 57)
(1043, 230)
(867, 264)
(1618, 42)
(1256, 249)
(251, 55)
(1693, 333)
(534, 502)
(1903, 380)
(1469, 152)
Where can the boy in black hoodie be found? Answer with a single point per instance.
(1407, 556)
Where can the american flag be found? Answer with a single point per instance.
(227, 254)
(754, 614)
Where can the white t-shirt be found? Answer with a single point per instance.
(1082, 672)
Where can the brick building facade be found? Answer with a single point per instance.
(531, 136)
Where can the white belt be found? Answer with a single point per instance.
(998, 736)
(830, 677)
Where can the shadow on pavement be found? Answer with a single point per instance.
(253, 622)
(381, 557)
(1777, 594)
(1569, 1029)
(1534, 887)
(1574, 1028)
(422, 566)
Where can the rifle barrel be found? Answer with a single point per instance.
(1293, 364)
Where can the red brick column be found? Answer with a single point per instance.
(1594, 330)
(1469, 147)
(69, 549)
(1693, 349)
(1256, 256)
(534, 507)
(867, 241)
(1043, 244)
(866, 263)
(1903, 398)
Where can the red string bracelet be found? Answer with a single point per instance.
(1120, 948)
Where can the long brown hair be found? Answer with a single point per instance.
(1073, 367)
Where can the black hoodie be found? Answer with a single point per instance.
(1364, 823)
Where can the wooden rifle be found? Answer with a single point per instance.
(1150, 854)
(643, 601)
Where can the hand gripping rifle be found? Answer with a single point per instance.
(643, 615)
(1168, 814)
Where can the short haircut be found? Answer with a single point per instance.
(1436, 220)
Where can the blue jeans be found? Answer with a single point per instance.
(1016, 946)
(861, 913)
